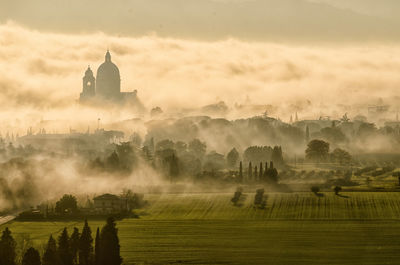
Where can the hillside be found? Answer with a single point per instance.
(205, 19)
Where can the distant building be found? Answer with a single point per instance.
(109, 203)
(71, 142)
(393, 124)
(378, 109)
(106, 87)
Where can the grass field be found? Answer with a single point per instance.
(295, 228)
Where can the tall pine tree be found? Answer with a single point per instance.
(63, 248)
(97, 248)
(50, 254)
(31, 257)
(74, 245)
(109, 244)
(86, 246)
(7, 248)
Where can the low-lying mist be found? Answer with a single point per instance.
(41, 79)
(27, 182)
(41, 76)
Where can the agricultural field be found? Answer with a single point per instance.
(294, 228)
(372, 177)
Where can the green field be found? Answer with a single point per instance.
(295, 228)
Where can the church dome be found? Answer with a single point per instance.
(108, 82)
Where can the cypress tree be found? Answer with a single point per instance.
(232, 157)
(109, 244)
(74, 245)
(50, 255)
(276, 156)
(7, 248)
(151, 146)
(255, 173)
(86, 246)
(240, 172)
(250, 174)
(307, 135)
(64, 249)
(31, 257)
(260, 175)
(265, 172)
(97, 248)
(173, 167)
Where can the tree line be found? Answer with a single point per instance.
(258, 173)
(318, 151)
(76, 249)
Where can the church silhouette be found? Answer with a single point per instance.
(106, 87)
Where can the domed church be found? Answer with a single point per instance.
(106, 86)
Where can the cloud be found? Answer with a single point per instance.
(41, 74)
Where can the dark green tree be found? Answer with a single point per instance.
(317, 151)
(7, 248)
(337, 189)
(260, 174)
(277, 156)
(257, 153)
(74, 245)
(165, 145)
(255, 175)
(66, 204)
(250, 173)
(64, 249)
(127, 156)
(97, 248)
(197, 148)
(86, 246)
(366, 130)
(333, 135)
(341, 156)
(136, 140)
(307, 134)
(258, 198)
(31, 257)
(181, 148)
(236, 197)
(109, 244)
(315, 190)
(271, 174)
(50, 256)
(112, 161)
(274, 175)
(265, 175)
(173, 167)
(214, 161)
(240, 172)
(232, 158)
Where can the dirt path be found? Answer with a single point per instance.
(6, 219)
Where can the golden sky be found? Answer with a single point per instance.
(322, 58)
(331, 20)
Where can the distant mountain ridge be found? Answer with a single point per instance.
(203, 19)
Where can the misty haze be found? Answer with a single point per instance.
(199, 132)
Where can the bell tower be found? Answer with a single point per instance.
(88, 85)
